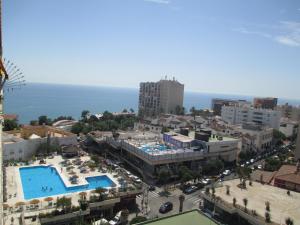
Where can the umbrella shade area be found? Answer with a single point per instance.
(18, 204)
(48, 199)
(34, 201)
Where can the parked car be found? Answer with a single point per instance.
(259, 167)
(166, 207)
(116, 220)
(206, 181)
(151, 188)
(226, 172)
(190, 190)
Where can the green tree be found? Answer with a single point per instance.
(10, 125)
(245, 201)
(179, 110)
(289, 221)
(84, 113)
(64, 203)
(34, 123)
(101, 192)
(44, 120)
(163, 176)
(278, 136)
(268, 217)
(234, 202)
(77, 128)
(138, 219)
(193, 112)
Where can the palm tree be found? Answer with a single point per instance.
(124, 215)
(245, 200)
(268, 217)
(101, 192)
(193, 112)
(289, 221)
(181, 200)
(234, 202)
(268, 206)
(227, 189)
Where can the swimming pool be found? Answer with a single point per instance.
(153, 148)
(44, 181)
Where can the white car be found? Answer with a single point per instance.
(116, 220)
(226, 172)
(252, 160)
(259, 167)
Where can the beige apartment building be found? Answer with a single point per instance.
(160, 97)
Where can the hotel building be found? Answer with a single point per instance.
(160, 97)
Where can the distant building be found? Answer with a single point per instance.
(288, 127)
(10, 117)
(218, 103)
(297, 150)
(290, 112)
(265, 103)
(160, 97)
(254, 137)
(247, 114)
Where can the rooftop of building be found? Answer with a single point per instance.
(220, 139)
(194, 217)
(29, 132)
(10, 116)
(282, 205)
(180, 137)
(289, 173)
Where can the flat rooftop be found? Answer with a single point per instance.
(194, 217)
(215, 139)
(281, 204)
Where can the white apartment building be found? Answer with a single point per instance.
(22, 145)
(160, 97)
(254, 137)
(247, 114)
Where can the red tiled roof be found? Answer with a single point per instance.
(288, 173)
(10, 116)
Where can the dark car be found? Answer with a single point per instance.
(190, 190)
(151, 188)
(166, 207)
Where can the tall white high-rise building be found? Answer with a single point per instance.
(164, 96)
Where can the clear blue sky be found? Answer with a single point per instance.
(233, 46)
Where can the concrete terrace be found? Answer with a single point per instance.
(281, 204)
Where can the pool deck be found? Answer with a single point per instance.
(14, 183)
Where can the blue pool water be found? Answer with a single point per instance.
(149, 148)
(36, 177)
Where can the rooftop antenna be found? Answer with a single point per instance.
(10, 78)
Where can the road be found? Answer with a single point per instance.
(157, 198)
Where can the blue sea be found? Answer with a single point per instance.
(54, 100)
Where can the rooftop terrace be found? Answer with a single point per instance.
(281, 204)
